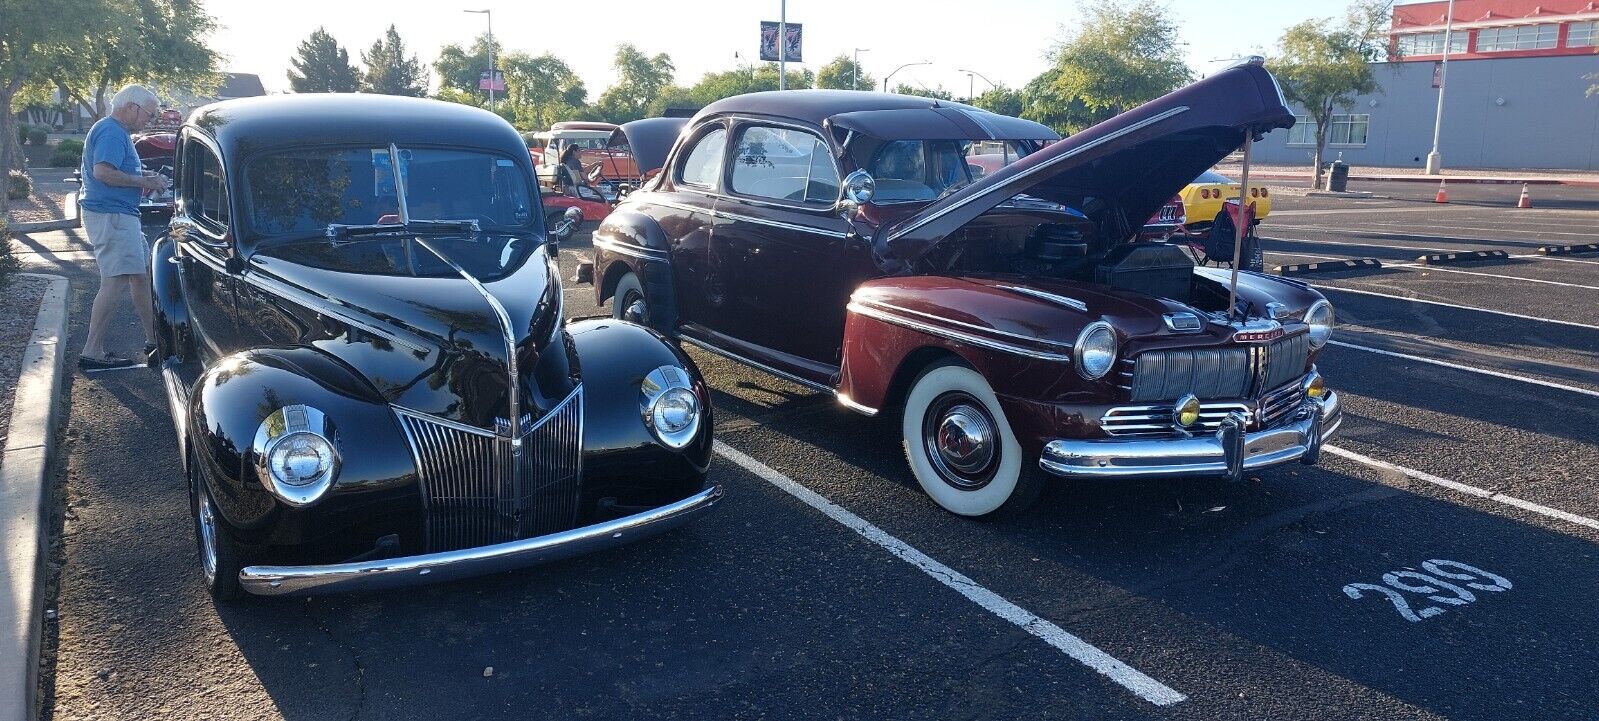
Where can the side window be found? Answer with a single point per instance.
(208, 190)
(783, 164)
(704, 162)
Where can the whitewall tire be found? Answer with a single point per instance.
(960, 447)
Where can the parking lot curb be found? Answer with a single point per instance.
(1568, 249)
(23, 493)
(43, 225)
(1441, 258)
(1328, 267)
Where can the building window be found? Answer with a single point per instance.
(1345, 129)
(1582, 35)
(1520, 37)
(1431, 43)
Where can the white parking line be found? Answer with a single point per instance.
(1469, 490)
(1342, 289)
(1303, 255)
(1469, 369)
(1417, 267)
(1537, 256)
(1435, 226)
(1130, 678)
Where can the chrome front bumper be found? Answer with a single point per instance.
(1228, 452)
(452, 565)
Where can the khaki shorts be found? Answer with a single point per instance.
(119, 245)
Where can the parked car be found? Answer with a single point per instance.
(1204, 197)
(1012, 322)
(606, 167)
(370, 378)
(1170, 220)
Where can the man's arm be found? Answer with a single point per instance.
(110, 175)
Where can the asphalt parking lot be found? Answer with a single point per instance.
(828, 586)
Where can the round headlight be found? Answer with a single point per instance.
(675, 410)
(671, 408)
(300, 459)
(1095, 350)
(1320, 320)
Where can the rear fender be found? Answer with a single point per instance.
(633, 242)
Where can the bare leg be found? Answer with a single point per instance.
(139, 288)
(105, 304)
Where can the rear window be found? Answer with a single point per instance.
(1211, 176)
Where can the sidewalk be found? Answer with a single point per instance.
(1577, 178)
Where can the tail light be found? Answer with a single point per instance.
(1204, 193)
(1254, 192)
(1264, 192)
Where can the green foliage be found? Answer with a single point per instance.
(38, 134)
(22, 132)
(18, 185)
(36, 41)
(1122, 56)
(389, 71)
(322, 65)
(68, 154)
(542, 90)
(460, 69)
(71, 145)
(9, 265)
(155, 42)
(1322, 65)
(1000, 99)
(938, 93)
(836, 74)
(639, 79)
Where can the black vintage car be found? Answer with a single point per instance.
(369, 374)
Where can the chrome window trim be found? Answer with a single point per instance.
(327, 306)
(779, 224)
(790, 377)
(891, 308)
(1072, 303)
(696, 136)
(1039, 168)
(440, 420)
(507, 333)
(888, 317)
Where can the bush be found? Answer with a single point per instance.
(18, 185)
(39, 134)
(22, 133)
(72, 145)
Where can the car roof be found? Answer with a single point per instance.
(818, 106)
(251, 125)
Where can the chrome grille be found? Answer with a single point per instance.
(477, 492)
(1136, 421)
(1231, 372)
(1279, 404)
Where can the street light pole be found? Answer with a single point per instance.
(855, 70)
(902, 67)
(970, 93)
(782, 44)
(489, 14)
(1435, 161)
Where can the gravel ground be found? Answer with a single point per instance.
(48, 202)
(19, 304)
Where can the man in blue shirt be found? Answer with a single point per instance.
(113, 180)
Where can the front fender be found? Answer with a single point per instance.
(174, 336)
(621, 457)
(377, 475)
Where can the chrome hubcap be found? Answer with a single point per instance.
(208, 537)
(961, 442)
(633, 312)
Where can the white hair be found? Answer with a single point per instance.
(134, 94)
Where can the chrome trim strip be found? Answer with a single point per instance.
(509, 334)
(630, 250)
(452, 565)
(941, 212)
(887, 317)
(447, 423)
(847, 402)
(328, 306)
(790, 377)
(1200, 455)
(1072, 303)
(724, 215)
(880, 305)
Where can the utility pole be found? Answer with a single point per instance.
(492, 74)
(902, 67)
(855, 70)
(782, 44)
(1435, 161)
(971, 92)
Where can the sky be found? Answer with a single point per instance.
(1004, 41)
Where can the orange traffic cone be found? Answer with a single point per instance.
(1443, 194)
(1526, 200)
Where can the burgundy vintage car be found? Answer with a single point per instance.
(1015, 322)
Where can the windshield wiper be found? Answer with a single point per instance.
(336, 230)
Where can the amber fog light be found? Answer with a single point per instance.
(1186, 413)
(1314, 386)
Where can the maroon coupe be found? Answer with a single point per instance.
(1013, 318)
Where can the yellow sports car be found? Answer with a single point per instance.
(1203, 198)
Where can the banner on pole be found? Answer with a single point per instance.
(791, 53)
(491, 80)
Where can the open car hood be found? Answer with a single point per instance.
(649, 140)
(1136, 160)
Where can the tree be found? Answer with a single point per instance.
(541, 90)
(837, 74)
(1322, 66)
(639, 78)
(938, 93)
(1121, 57)
(1000, 99)
(461, 69)
(323, 66)
(389, 71)
(156, 42)
(714, 86)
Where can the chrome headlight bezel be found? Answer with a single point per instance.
(288, 423)
(1320, 332)
(1081, 349)
(664, 385)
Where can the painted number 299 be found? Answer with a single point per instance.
(1457, 591)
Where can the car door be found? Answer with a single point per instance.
(684, 204)
(202, 225)
(794, 262)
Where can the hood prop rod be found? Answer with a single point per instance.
(1239, 226)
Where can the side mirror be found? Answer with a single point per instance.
(570, 220)
(857, 190)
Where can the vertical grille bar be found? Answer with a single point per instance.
(1230, 372)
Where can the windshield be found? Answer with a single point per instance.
(921, 170)
(302, 191)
